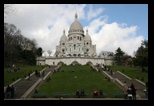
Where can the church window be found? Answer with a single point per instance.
(87, 50)
(63, 50)
(74, 47)
(87, 43)
(78, 37)
(63, 44)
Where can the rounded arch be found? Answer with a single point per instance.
(89, 63)
(60, 63)
(75, 63)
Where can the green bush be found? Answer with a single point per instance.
(39, 95)
(121, 95)
(58, 95)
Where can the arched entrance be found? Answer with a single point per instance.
(75, 63)
(61, 63)
(89, 63)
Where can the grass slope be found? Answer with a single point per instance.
(132, 72)
(87, 79)
(9, 77)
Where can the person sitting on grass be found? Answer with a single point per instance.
(82, 92)
(78, 93)
(100, 93)
(95, 93)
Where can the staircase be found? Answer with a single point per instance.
(23, 85)
(140, 87)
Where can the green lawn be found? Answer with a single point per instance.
(132, 72)
(9, 77)
(65, 82)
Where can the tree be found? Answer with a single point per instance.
(8, 8)
(29, 57)
(119, 56)
(39, 51)
(141, 56)
(127, 60)
(17, 48)
(49, 52)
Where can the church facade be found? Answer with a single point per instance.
(75, 48)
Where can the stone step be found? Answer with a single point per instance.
(23, 85)
(140, 87)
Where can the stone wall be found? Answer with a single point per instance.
(70, 60)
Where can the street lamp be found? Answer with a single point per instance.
(11, 54)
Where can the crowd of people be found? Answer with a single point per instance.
(80, 94)
(95, 93)
(98, 93)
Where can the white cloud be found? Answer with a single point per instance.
(92, 13)
(34, 22)
(114, 35)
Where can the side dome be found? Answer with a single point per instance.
(63, 38)
(76, 27)
(87, 37)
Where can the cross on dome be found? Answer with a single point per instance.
(64, 31)
(86, 31)
(76, 16)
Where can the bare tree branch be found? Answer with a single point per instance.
(8, 8)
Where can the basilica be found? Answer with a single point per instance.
(76, 47)
(76, 44)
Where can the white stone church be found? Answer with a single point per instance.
(76, 48)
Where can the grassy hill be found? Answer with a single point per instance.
(72, 78)
(10, 76)
(132, 72)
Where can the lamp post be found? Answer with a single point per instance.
(11, 54)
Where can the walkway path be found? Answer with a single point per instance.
(128, 81)
(23, 85)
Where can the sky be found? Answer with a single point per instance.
(109, 25)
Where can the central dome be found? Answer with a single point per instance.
(76, 27)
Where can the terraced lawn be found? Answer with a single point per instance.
(72, 78)
(132, 72)
(9, 76)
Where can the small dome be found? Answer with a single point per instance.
(63, 38)
(87, 37)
